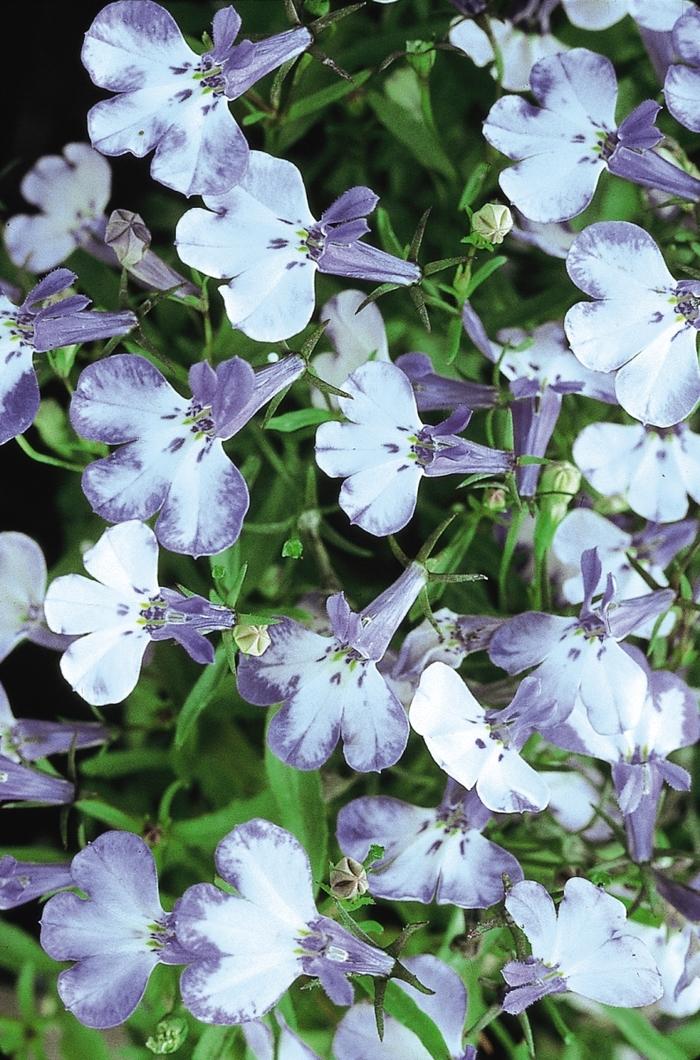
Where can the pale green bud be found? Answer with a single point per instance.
(493, 222)
(251, 640)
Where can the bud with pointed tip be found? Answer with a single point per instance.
(348, 879)
(128, 236)
(251, 640)
(493, 222)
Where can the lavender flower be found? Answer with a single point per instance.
(18, 783)
(385, 449)
(32, 328)
(71, 191)
(22, 591)
(173, 459)
(682, 84)
(356, 338)
(26, 739)
(171, 99)
(23, 881)
(262, 237)
(581, 657)
(639, 755)
(248, 948)
(330, 687)
(356, 1037)
(433, 391)
(642, 324)
(654, 471)
(562, 146)
(584, 947)
(478, 749)
(116, 936)
(520, 49)
(116, 616)
(430, 855)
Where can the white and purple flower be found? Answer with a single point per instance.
(642, 325)
(356, 338)
(657, 15)
(27, 739)
(22, 591)
(585, 947)
(682, 84)
(23, 881)
(520, 49)
(246, 949)
(262, 238)
(19, 783)
(116, 616)
(171, 99)
(385, 450)
(172, 460)
(35, 328)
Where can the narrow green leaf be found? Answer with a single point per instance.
(294, 421)
(317, 101)
(417, 137)
(642, 1036)
(200, 697)
(100, 811)
(122, 763)
(484, 272)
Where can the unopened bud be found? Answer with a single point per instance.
(559, 484)
(493, 222)
(348, 879)
(421, 57)
(170, 1034)
(128, 237)
(251, 640)
(495, 499)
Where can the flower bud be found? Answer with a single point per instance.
(493, 222)
(559, 483)
(348, 879)
(128, 237)
(251, 640)
(421, 56)
(495, 499)
(169, 1036)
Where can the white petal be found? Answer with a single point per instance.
(382, 499)
(126, 559)
(22, 585)
(608, 454)
(658, 15)
(133, 44)
(71, 188)
(605, 335)
(533, 911)
(686, 447)
(552, 186)
(277, 184)
(592, 14)
(381, 393)
(609, 258)
(273, 300)
(613, 687)
(75, 604)
(452, 724)
(661, 385)
(134, 122)
(507, 784)
(104, 667)
(38, 243)
(656, 488)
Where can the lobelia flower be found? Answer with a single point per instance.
(356, 1037)
(355, 337)
(430, 855)
(71, 191)
(654, 471)
(581, 657)
(116, 936)
(173, 460)
(658, 15)
(330, 687)
(520, 48)
(171, 99)
(682, 84)
(23, 881)
(18, 783)
(586, 947)
(385, 449)
(116, 616)
(669, 947)
(642, 324)
(22, 591)
(480, 749)
(563, 145)
(434, 392)
(668, 720)
(262, 238)
(27, 739)
(32, 328)
(247, 949)
(653, 547)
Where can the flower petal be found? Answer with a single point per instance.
(122, 398)
(125, 558)
(104, 667)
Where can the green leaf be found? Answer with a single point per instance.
(484, 272)
(201, 695)
(215, 1044)
(122, 763)
(642, 1036)
(206, 831)
(80, 1041)
(304, 108)
(294, 421)
(17, 948)
(474, 183)
(300, 809)
(101, 811)
(417, 137)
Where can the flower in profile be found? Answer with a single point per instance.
(263, 239)
(682, 84)
(171, 457)
(246, 949)
(71, 191)
(27, 739)
(385, 450)
(642, 324)
(171, 99)
(654, 471)
(356, 1037)
(481, 750)
(116, 935)
(19, 783)
(581, 658)
(35, 328)
(667, 721)
(563, 145)
(433, 391)
(330, 687)
(356, 338)
(586, 947)
(115, 616)
(430, 855)
(22, 591)
(23, 881)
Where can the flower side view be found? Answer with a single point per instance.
(642, 325)
(563, 145)
(35, 328)
(582, 947)
(385, 450)
(28, 739)
(171, 99)
(247, 949)
(172, 460)
(23, 881)
(116, 935)
(262, 237)
(115, 616)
